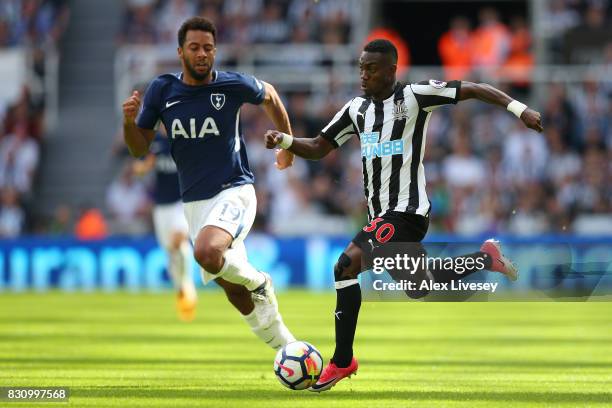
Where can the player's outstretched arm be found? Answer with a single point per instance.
(136, 139)
(492, 95)
(275, 110)
(311, 149)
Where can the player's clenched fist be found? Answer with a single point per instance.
(131, 107)
(284, 158)
(273, 138)
(532, 119)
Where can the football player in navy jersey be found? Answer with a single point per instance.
(200, 109)
(169, 223)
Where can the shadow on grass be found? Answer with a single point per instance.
(67, 362)
(281, 394)
(144, 338)
(266, 361)
(148, 338)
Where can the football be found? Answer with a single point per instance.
(298, 365)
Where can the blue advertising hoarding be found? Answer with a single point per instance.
(140, 264)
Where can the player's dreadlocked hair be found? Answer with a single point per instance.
(382, 46)
(198, 24)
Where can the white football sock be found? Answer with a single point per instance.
(251, 320)
(275, 336)
(180, 269)
(237, 269)
(187, 281)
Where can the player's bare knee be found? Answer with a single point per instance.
(209, 257)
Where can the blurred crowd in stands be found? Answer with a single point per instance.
(34, 26)
(576, 31)
(486, 173)
(492, 48)
(573, 31)
(35, 23)
(241, 22)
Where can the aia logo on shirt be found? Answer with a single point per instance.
(209, 127)
(217, 100)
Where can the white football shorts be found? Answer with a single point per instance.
(167, 220)
(232, 210)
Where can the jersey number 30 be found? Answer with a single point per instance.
(383, 233)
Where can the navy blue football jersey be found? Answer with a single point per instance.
(203, 125)
(166, 187)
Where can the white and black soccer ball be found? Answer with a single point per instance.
(298, 365)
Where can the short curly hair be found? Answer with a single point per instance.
(382, 46)
(199, 24)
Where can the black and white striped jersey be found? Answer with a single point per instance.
(392, 135)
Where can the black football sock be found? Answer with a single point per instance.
(478, 262)
(348, 302)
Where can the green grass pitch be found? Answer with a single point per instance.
(125, 350)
